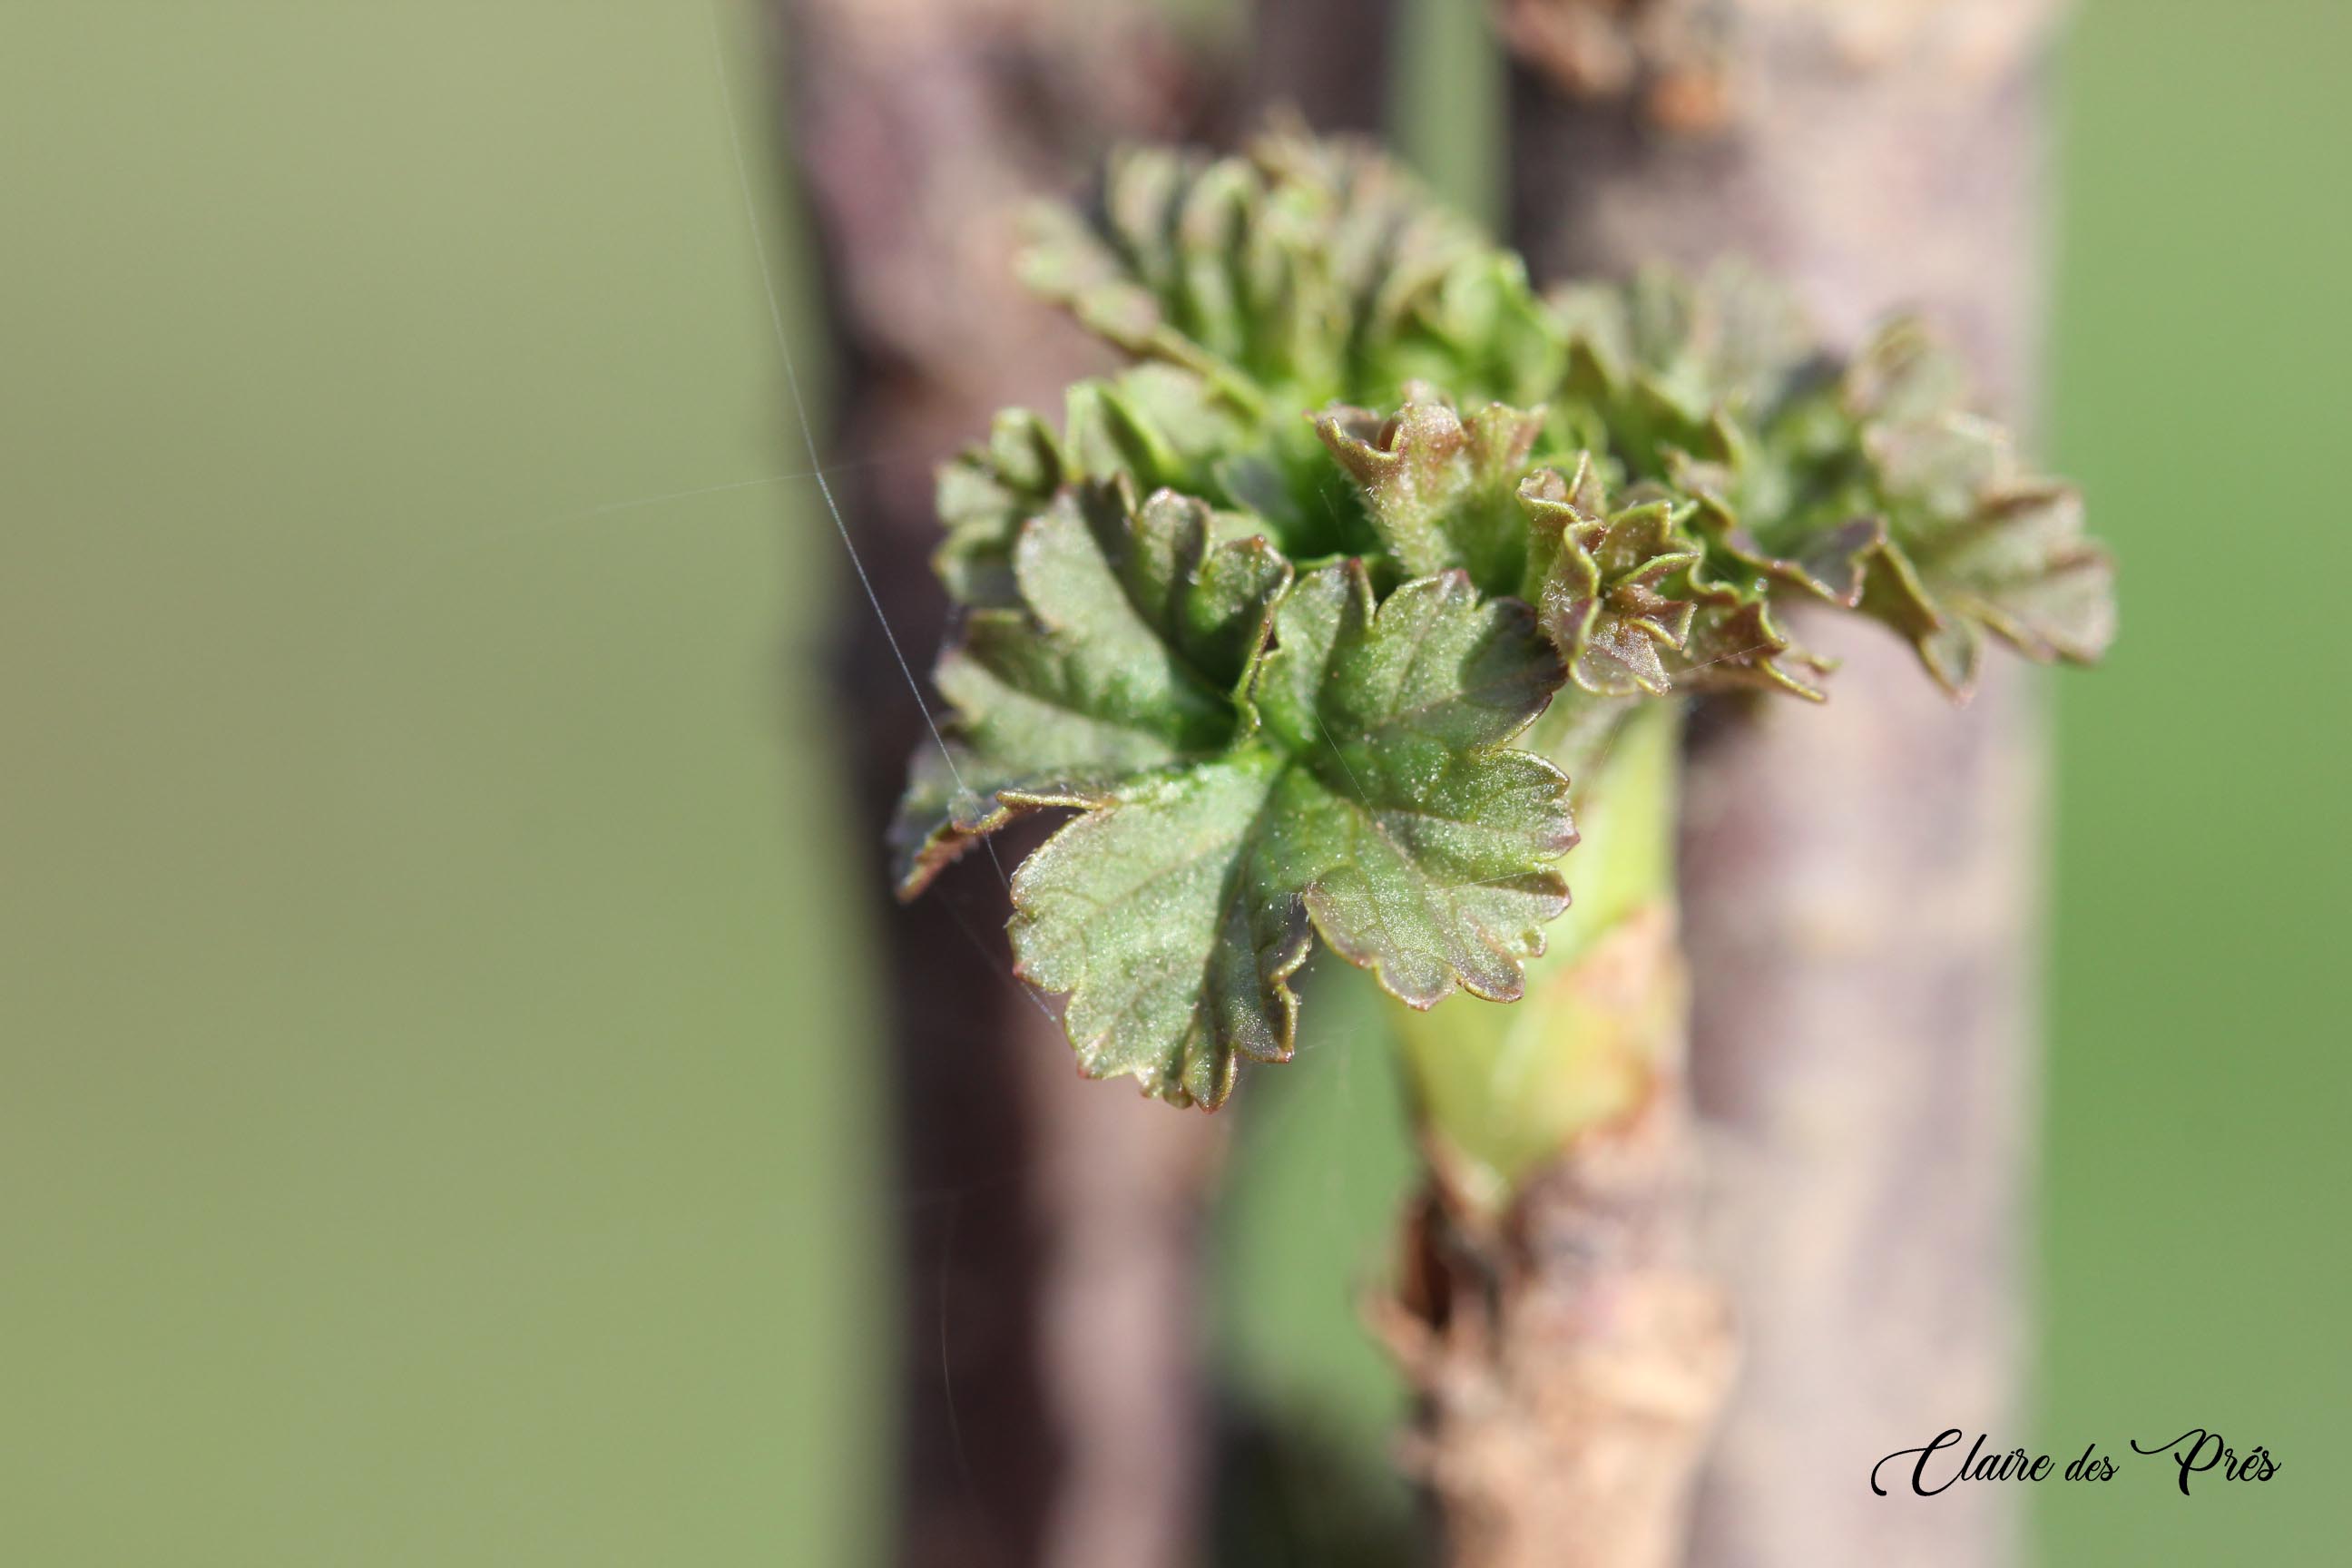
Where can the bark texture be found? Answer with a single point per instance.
(1328, 59)
(1052, 1412)
(1571, 1358)
(1859, 879)
(1570, 1345)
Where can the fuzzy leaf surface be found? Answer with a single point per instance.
(1626, 593)
(1281, 692)
(1975, 543)
(1377, 802)
(1440, 489)
(1137, 630)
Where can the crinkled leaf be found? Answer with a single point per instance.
(1867, 486)
(1439, 490)
(984, 496)
(1386, 238)
(1151, 426)
(1305, 271)
(1357, 780)
(1628, 596)
(1901, 374)
(1188, 260)
(1480, 332)
(1157, 914)
(1427, 841)
(1154, 424)
(1610, 588)
(1662, 357)
(1974, 543)
(1378, 801)
(1819, 539)
(1138, 630)
(1737, 644)
(1715, 388)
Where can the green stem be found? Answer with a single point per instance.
(1503, 1089)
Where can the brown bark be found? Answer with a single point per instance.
(1328, 59)
(1571, 1356)
(1053, 1409)
(1859, 879)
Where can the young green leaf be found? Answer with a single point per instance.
(1421, 844)
(1376, 800)
(1975, 543)
(1440, 491)
(1256, 760)
(983, 498)
(1866, 484)
(1628, 597)
(1307, 272)
(1605, 585)
(1661, 358)
(1136, 630)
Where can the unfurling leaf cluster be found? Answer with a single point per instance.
(1268, 607)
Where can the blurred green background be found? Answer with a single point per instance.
(437, 1116)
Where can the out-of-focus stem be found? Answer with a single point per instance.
(1859, 879)
(1052, 1411)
